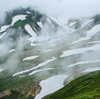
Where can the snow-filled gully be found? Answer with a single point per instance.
(51, 85)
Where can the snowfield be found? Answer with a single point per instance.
(51, 85)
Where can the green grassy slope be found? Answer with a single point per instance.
(85, 87)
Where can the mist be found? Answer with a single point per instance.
(62, 10)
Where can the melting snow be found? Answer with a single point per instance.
(72, 23)
(39, 39)
(1, 36)
(93, 31)
(32, 44)
(44, 63)
(91, 69)
(60, 23)
(12, 50)
(95, 42)
(3, 28)
(30, 31)
(84, 62)
(28, 12)
(51, 85)
(30, 58)
(40, 24)
(40, 70)
(2, 69)
(81, 50)
(40, 65)
(90, 33)
(74, 51)
(18, 17)
(50, 22)
(87, 22)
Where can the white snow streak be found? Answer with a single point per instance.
(40, 24)
(12, 50)
(1, 36)
(30, 31)
(40, 65)
(30, 58)
(40, 70)
(18, 17)
(84, 62)
(81, 50)
(91, 69)
(3, 28)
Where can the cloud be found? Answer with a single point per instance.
(58, 8)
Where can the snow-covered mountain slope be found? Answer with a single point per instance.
(40, 46)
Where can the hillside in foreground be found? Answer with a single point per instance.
(85, 87)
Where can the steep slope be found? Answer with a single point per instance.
(35, 47)
(85, 87)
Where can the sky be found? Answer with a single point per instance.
(58, 8)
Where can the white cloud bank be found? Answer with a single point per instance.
(63, 9)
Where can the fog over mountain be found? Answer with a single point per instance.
(58, 8)
(45, 44)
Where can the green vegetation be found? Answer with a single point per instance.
(85, 87)
(19, 88)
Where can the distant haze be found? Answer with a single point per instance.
(64, 9)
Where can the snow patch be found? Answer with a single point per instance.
(30, 58)
(12, 50)
(87, 22)
(28, 12)
(2, 69)
(40, 24)
(81, 50)
(51, 85)
(60, 23)
(84, 62)
(91, 70)
(3, 28)
(30, 31)
(72, 23)
(40, 70)
(50, 22)
(74, 51)
(93, 31)
(1, 36)
(89, 33)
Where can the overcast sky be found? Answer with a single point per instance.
(59, 8)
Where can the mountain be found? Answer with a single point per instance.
(40, 54)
